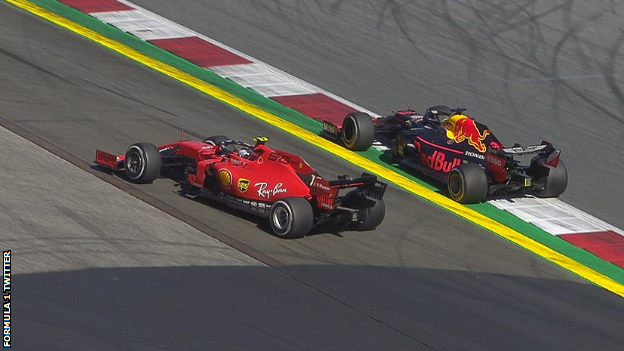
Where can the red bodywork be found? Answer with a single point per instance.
(265, 176)
(258, 180)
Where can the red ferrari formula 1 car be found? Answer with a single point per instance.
(258, 180)
(453, 148)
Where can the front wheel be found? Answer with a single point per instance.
(291, 217)
(216, 139)
(358, 131)
(467, 183)
(142, 163)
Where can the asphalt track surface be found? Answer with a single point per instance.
(530, 70)
(96, 269)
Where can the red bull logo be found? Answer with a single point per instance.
(437, 161)
(460, 128)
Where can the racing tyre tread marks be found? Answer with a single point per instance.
(142, 163)
(556, 182)
(358, 131)
(467, 183)
(291, 217)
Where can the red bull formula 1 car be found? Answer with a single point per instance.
(258, 180)
(453, 148)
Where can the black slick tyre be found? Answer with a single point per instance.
(372, 216)
(291, 217)
(467, 183)
(556, 182)
(142, 163)
(216, 139)
(358, 131)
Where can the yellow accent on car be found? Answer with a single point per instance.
(312, 138)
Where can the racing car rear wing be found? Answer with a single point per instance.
(532, 149)
(372, 187)
(326, 192)
(347, 182)
(545, 148)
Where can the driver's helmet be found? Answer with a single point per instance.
(244, 152)
(456, 123)
(432, 113)
(450, 123)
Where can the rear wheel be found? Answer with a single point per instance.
(358, 131)
(372, 216)
(556, 181)
(142, 163)
(467, 183)
(291, 217)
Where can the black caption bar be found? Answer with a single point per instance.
(6, 300)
